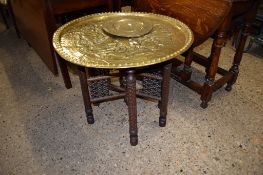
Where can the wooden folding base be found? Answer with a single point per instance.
(128, 92)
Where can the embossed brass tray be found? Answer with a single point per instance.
(131, 26)
(84, 42)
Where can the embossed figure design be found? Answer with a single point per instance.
(131, 46)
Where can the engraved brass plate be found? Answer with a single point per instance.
(128, 27)
(84, 42)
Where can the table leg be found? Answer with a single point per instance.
(132, 107)
(85, 94)
(165, 94)
(64, 71)
(238, 56)
(249, 18)
(218, 44)
(207, 90)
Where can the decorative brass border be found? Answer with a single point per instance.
(69, 57)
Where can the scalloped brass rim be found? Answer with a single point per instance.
(59, 48)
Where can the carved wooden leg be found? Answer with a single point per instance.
(64, 72)
(218, 43)
(165, 94)
(238, 56)
(85, 94)
(132, 108)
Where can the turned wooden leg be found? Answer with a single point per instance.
(85, 94)
(238, 57)
(132, 107)
(64, 71)
(165, 94)
(249, 17)
(211, 70)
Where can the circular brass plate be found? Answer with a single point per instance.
(130, 26)
(84, 42)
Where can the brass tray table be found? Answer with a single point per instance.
(130, 46)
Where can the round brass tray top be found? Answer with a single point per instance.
(131, 26)
(84, 41)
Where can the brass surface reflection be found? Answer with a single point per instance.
(130, 26)
(84, 41)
